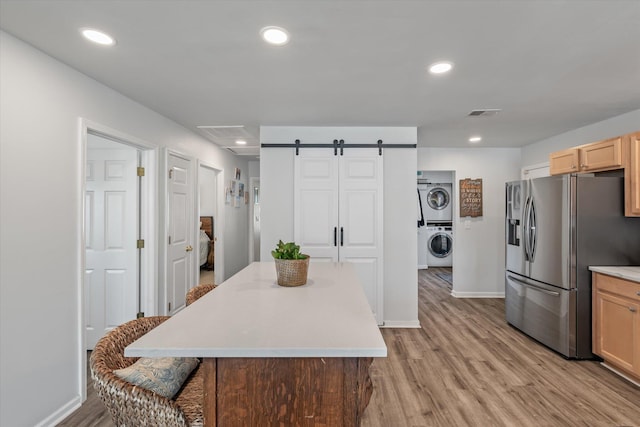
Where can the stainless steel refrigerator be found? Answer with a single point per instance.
(556, 227)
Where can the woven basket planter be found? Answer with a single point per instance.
(292, 272)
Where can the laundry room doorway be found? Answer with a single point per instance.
(436, 200)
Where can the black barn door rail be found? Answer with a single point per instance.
(336, 145)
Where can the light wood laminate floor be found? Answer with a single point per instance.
(467, 367)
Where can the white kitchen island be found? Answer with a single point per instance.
(273, 354)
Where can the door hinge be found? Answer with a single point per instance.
(170, 173)
(169, 239)
(140, 244)
(169, 307)
(140, 171)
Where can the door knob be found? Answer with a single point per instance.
(189, 248)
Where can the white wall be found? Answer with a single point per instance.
(436, 177)
(254, 169)
(236, 226)
(400, 239)
(478, 251)
(276, 199)
(620, 125)
(41, 102)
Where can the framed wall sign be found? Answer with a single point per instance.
(470, 197)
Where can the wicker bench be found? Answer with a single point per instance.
(130, 405)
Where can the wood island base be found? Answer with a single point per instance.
(329, 391)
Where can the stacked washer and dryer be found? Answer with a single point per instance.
(435, 236)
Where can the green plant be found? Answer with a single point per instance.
(287, 251)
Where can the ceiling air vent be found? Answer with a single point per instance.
(226, 132)
(486, 112)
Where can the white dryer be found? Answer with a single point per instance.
(436, 202)
(439, 246)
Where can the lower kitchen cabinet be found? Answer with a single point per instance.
(616, 322)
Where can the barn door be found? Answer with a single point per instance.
(361, 228)
(315, 204)
(338, 212)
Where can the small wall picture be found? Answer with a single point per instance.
(237, 174)
(246, 197)
(232, 191)
(227, 195)
(239, 194)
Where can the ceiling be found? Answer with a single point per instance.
(550, 66)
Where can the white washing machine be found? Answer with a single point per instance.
(436, 202)
(439, 246)
(423, 240)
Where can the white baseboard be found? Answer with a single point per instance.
(62, 413)
(457, 294)
(401, 324)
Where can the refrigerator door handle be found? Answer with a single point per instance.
(537, 288)
(534, 233)
(525, 230)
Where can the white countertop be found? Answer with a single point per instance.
(626, 272)
(249, 315)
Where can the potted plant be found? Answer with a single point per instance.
(291, 265)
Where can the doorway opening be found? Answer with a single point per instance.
(436, 201)
(210, 268)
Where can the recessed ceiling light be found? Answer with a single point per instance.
(440, 67)
(475, 139)
(97, 36)
(275, 35)
(241, 142)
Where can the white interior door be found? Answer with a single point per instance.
(316, 204)
(110, 229)
(338, 212)
(361, 220)
(180, 251)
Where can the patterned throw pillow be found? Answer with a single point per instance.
(162, 375)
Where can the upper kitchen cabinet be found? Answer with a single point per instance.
(565, 161)
(632, 176)
(621, 152)
(598, 156)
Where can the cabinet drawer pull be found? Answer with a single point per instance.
(632, 309)
(638, 293)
